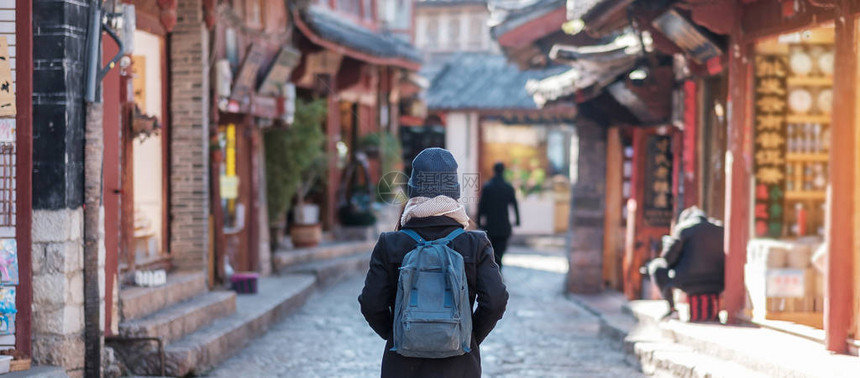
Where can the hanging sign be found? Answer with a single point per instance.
(280, 72)
(769, 129)
(246, 79)
(786, 283)
(658, 181)
(7, 92)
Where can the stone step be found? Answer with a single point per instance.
(137, 302)
(39, 372)
(284, 259)
(762, 350)
(174, 322)
(674, 360)
(207, 347)
(329, 272)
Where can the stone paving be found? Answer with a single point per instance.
(542, 334)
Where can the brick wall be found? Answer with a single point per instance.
(59, 38)
(189, 142)
(585, 239)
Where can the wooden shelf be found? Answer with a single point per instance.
(806, 195)
(805, 118)
(810, 81)
(807, 157)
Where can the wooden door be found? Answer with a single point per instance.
(650, 209)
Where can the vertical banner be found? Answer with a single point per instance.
(770, 111)
(658, 181)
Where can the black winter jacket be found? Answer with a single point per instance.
(493, 206)
(485, 286)
(696, 255)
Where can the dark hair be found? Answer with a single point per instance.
(499, 168)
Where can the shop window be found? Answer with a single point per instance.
(792, 101)
(352, 7)
(367, 8)
(431, 33)
(476, 32)
(454, 32)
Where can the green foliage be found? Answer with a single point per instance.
(390, 158)
(388, 145)
(295, 157)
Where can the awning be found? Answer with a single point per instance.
(325, 28)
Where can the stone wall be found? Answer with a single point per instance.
(585, 233)
(58, 289)
(59, 40)
(189, 138)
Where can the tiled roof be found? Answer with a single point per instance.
(506, 17)
(341, 31)
(481, 81)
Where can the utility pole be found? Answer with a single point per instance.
(93, 188)
(93, 167)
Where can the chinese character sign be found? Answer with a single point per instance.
(7, 91)
(769, 169)
(658, 181)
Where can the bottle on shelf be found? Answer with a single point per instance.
(791, 144)
(816, 138)
(789, 174)
(820, 181)
(808, 139)
(807, 176)
(800, 216)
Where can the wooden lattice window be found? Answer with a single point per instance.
(8, 191)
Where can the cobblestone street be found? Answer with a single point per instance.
(541, 335)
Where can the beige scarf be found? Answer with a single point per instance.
(422, 207)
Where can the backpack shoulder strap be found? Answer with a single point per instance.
(414, 235)
(453, 235)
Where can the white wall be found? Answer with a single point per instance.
(461, 138)
(466, 17)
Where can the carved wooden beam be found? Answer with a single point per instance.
(168, 14)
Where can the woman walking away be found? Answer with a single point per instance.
(414, 295)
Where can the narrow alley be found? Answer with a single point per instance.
(542, 334)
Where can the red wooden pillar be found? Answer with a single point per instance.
(633, 258)
(839, 294)
(24, 179)
(738, 172)
(332, 137)
(112, 179)
(689, 150)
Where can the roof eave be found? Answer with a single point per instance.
(308, 32)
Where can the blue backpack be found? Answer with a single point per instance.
(432, 315)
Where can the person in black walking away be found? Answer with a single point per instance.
(692, 261)
(493, 211)
(433, 212)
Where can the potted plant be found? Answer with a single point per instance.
(295, 160)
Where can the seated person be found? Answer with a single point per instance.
(692, 261)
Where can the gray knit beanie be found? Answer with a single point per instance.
(434, 173)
